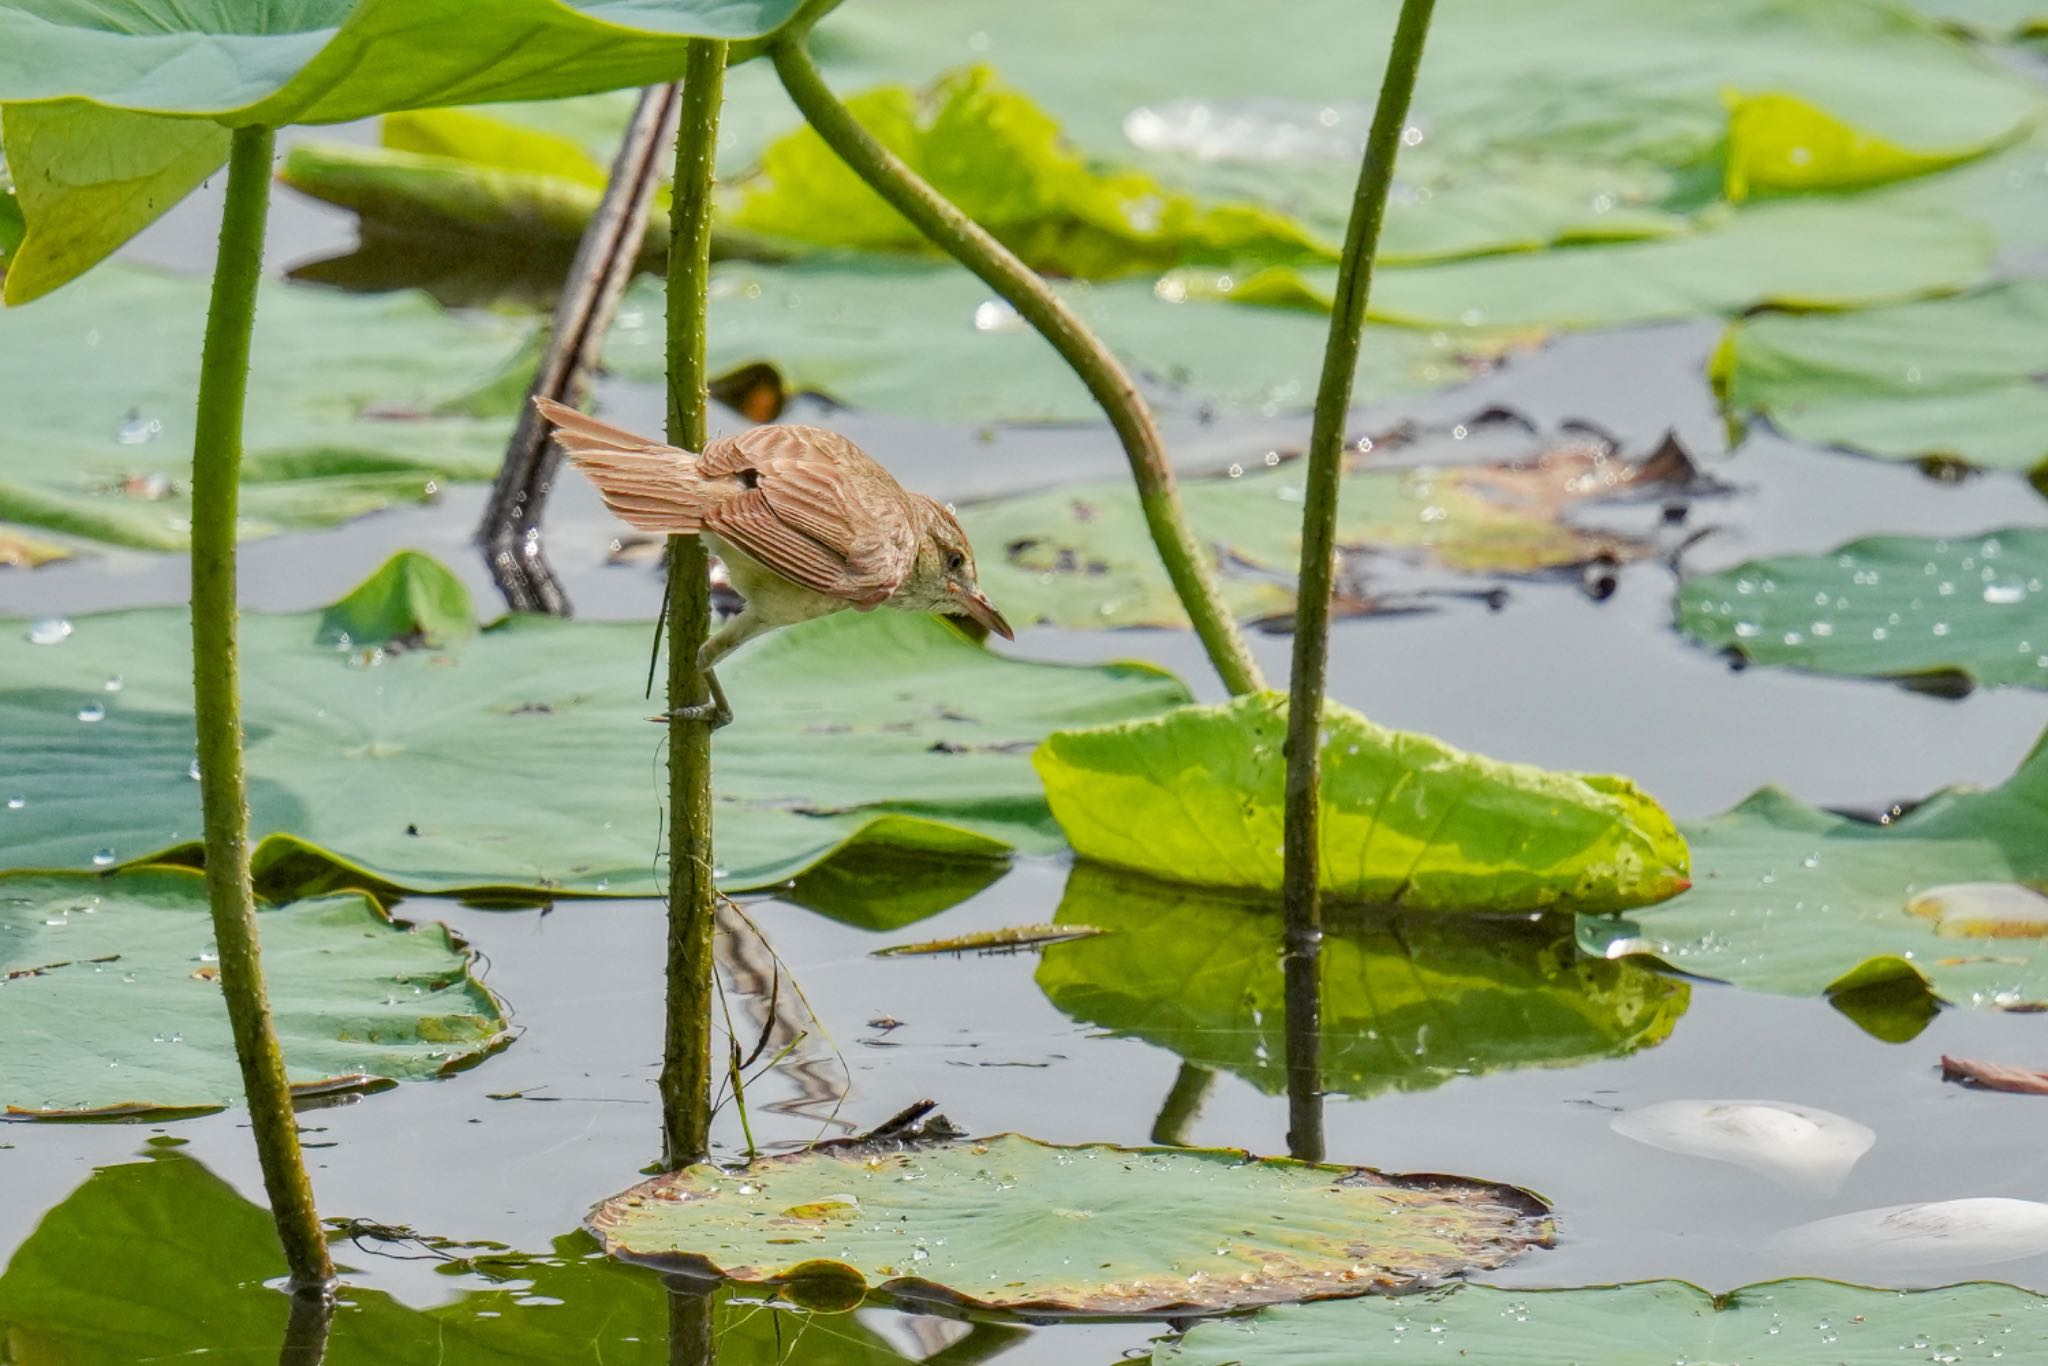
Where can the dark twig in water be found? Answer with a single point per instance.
(604, 265)
(1008, 940)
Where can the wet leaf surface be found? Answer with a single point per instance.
(355, 404)
(110, 1000)
(1940, 614)
(1409, 1001)
(1777, 1323)
(1945, 381)
(1789, 899)
(515, 759)
(1009, 1223)
(163, 1258)
(1195, 796)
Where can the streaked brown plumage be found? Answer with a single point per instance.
(806, 522)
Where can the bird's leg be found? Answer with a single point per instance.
(730, 636)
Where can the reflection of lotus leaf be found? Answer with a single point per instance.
(1778, 1323)
(1010, 1223)
(163, 1260)
(1409, 1000)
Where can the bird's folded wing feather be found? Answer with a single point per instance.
(816, 500)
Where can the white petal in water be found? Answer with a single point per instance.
(1804, 1148)
(1983, 910)
(1938, 1236)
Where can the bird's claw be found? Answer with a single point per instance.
(714, 712)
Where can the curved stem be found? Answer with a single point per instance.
(692, 896)
(217, 706)
(1301, 876)
(1188, 562)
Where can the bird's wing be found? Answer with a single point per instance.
(816, 509)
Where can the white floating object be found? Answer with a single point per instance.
(1798, 1146)
(1983, 910)
(1939, 1235)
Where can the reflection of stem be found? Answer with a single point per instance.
(1303, 969)
(1188, 563)
(1300, 880)
(692, 898)
(305, 1333)
(217, 705)
(984, 1342)
(689, 1306)
(1183, 1104)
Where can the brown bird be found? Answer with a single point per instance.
(806, 522)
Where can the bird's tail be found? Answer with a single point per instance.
(650, 485)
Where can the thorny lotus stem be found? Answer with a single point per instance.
(217, 707)
(692, 897)
(938, 218)
(1300, 878)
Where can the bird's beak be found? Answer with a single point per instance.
(982, 610)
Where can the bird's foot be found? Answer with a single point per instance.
(715, 712)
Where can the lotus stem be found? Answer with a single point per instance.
(1301, 875)
(692, 895)
(1188, 563)
(217, 707)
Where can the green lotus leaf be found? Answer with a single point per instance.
(1009, 1223)
(354, 404)
(1990, 18)
(929, 340)
(163, 1258)
(1776, 1323)
(1784, 144)
(1943, 380)
(1409, 1001)
(1792, 900)
(518, 759)
(88, 179)
(1964, 610)
(1196, 796)
(1083, 557)
(113, 1006)
(331, 61)
(998, 156)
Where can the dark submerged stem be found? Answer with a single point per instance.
(1187, 561)
(1300, 880)
(603, 267)
(692, 897)
(690, 1337)
(1302, 974)
(217, 707)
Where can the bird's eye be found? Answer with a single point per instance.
(955, 561)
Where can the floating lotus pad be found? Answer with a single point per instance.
(1195, 796)
(1009, 1223)
(1777, 1323)
(1083, 557)
(1941, 381)
(519, 758)
(112, 1002)
(1972, 609)
(1796, 901)
(355, 404)
(1409, 1001)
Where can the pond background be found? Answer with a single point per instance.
(1552, 677)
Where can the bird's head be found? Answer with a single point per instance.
(942, 578)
